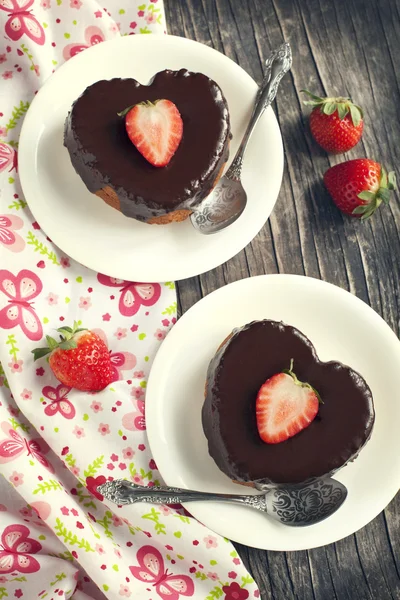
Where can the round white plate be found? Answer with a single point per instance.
(102, 238)
(342, 328)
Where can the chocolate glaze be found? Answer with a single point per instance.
(250, 356)
(103, 155)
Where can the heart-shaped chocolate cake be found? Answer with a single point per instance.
(112, 167)
(250, 379)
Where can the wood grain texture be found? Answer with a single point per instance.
(346, 47)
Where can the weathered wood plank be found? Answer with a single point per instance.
(344, 47)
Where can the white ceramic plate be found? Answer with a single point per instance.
(342, 328)
(101, 238)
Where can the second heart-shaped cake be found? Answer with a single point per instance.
(249, 379)
(111, 166)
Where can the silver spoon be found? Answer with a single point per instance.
(295, 506)
(228, 199)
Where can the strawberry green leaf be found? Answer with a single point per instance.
(342, 110)
(65, 329)
(67, 345)
(383, 179)
(65, 334)
(360, 210)
(52, 343)
(392, 185)
(366, 195)
(384, 194)
(124, 112)
(360, 109)
(40, 352)
(328, 108)
(356, 114)
(317, 99)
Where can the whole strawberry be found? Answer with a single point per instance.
(358, 187)
(336, 123)
(80, 359)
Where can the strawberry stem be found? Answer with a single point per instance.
(66, 341)
(373, 199)
(342, 105)
(297, 381)
(146, 103)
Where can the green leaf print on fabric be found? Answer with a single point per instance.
(170, 285)
(41, 248)
(18, 204)
(84, 497)
(71, 538)
(105, 522)
(94, 466)
(145, 30)
(170, 310)
(17, 113)
(183, 519)
(70, 460)
(148, 475)
(200, 575)
(3, 593)
(33, 67)
(17, 425)
(64, 555)
(247, 580)
(216, 592)
(13, 350)
(59, 577)
(153, 516)
(47, 486)
(3, 378)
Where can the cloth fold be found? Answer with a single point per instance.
(58, 538)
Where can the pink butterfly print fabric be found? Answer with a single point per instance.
(21, 21)
(135, 421)
(15, 445)
(151, 570)
(17, 549)
(59, 402)
(8, 157)
(121, 361)
(93, 437)
(133, 294)
(20, 290)
(93, 36)
(9, 224)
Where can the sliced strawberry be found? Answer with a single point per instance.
(155, 128)
(284, 407)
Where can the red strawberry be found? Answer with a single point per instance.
(80, 359)
(358, 187)
(285, 406)
(336, 123)
(155, 128)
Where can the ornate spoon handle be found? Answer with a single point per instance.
(125, 492)
(277, 65)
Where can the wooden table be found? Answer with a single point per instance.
(340, 47)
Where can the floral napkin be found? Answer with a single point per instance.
(58, 539)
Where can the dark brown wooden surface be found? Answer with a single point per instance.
(340, 47)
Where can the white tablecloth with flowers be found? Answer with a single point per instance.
(58, 539)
